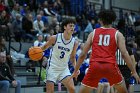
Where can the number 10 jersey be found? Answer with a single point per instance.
(104, 45)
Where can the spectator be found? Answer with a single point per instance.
(57, 7)
(46, 9)
(15, 10)
(24, 10)
(67, 6)
(39, 41)
(27, 25)
(132, 18)
(17, 28)
(6, 78)
(43, 18)
(4, 24)
(77, 30)
(52, 26)
(9, 3)
(90, 27)
(38, 25)
(57, 29)
(2, 6)
(8, 56)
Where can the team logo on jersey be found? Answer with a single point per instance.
(63, 48)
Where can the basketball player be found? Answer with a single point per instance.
(64, 48)
(104, 42)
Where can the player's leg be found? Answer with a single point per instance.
(103, 86)
(65, 78)
(121, 87)
(117, 81)
(49, 87)
(112, 90)
(69, 84)
(85, 89)
(52, 75)
(107, 86)
(100, 87)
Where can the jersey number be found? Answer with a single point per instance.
(62, 54)
(104, 40)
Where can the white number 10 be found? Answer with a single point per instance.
(104, 40)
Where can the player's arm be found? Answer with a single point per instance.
(84, 52)
(49, 43)
(72, 56)
(124, 52)
(125, 55)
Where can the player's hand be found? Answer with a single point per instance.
(75, 74)
(136, 77)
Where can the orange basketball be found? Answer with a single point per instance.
(35, 53)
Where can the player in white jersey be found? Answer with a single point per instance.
(63, 49)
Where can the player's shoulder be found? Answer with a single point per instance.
(119, 34)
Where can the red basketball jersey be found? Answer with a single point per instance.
(104, 45)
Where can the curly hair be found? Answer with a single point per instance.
(67, 21)
(107, 16)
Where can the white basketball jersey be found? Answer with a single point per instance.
(60, 53)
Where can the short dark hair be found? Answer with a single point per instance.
(107, 16)
(67, 21)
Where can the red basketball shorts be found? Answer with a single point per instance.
(99, 70)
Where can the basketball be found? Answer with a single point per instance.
(35, 53)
